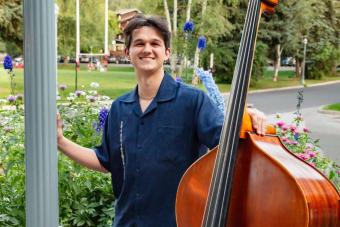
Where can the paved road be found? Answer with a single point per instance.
(323, 126)
(285, 100)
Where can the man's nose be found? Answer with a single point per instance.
(147, 48)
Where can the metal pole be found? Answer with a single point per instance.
(106, 52)
(40, 114)
(304, 62)
(77, 43)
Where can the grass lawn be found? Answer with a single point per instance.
(335, 107)
(118, 80)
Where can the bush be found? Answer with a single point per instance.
(85, 197)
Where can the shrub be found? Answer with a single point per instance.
(85, 197)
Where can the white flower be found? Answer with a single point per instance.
(94, 85)
(58, 97)
(93, 92)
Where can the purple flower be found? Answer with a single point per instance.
(8, 64)
(202, 43)
(91, 98)
(78, 93)
(103, 112)
(62, 87)
(188, 26)
(11, 98)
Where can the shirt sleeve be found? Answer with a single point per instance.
(103, 150)
(209, 121)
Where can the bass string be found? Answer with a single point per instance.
(223, 159)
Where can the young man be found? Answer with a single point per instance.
(152, 134)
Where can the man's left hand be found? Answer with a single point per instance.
(259, 120)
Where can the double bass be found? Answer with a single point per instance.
(253, 181)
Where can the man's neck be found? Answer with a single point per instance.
(148, 85)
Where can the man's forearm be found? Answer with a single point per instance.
(81, 155)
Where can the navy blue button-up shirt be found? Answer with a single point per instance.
(147, 153)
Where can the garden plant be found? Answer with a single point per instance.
(85, 197)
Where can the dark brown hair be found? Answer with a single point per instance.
(140, 21)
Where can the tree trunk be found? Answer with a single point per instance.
(184, 61)
(167, 14)
(173, 58)
(196, 59)
(297, 68)
(277, 61)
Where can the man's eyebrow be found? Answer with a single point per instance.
(142, 40)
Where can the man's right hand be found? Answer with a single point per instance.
(59, 128)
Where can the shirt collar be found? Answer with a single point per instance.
(166, 92)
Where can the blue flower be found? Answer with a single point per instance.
(202, 43)
(103, 112)
(212, 89)
(8, 64)
(179, 79)
(188, 26)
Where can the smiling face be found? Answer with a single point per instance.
(147, 51)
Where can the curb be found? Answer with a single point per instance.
(330, 112)
(288, 88)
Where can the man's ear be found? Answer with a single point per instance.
(167, 53)
(126, 51)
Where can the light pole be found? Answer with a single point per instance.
(305, 41)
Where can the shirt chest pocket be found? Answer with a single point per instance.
(171, 142)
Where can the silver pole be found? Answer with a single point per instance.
(106, 51)
(77, 32)
(304, 62)
(40, 114)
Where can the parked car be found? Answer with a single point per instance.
(84, 59)
(289, 61)
(113, 60)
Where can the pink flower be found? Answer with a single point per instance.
(284, 127)
(295, 143)
(303, 156)
(280, 123)
(285, 139)
(293, 128)
(299, 117)
(306, 130)
(338, 172)
(311, 154)
(309, 146)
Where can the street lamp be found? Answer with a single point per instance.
(305, 41)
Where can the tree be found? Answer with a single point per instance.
(11, 22)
